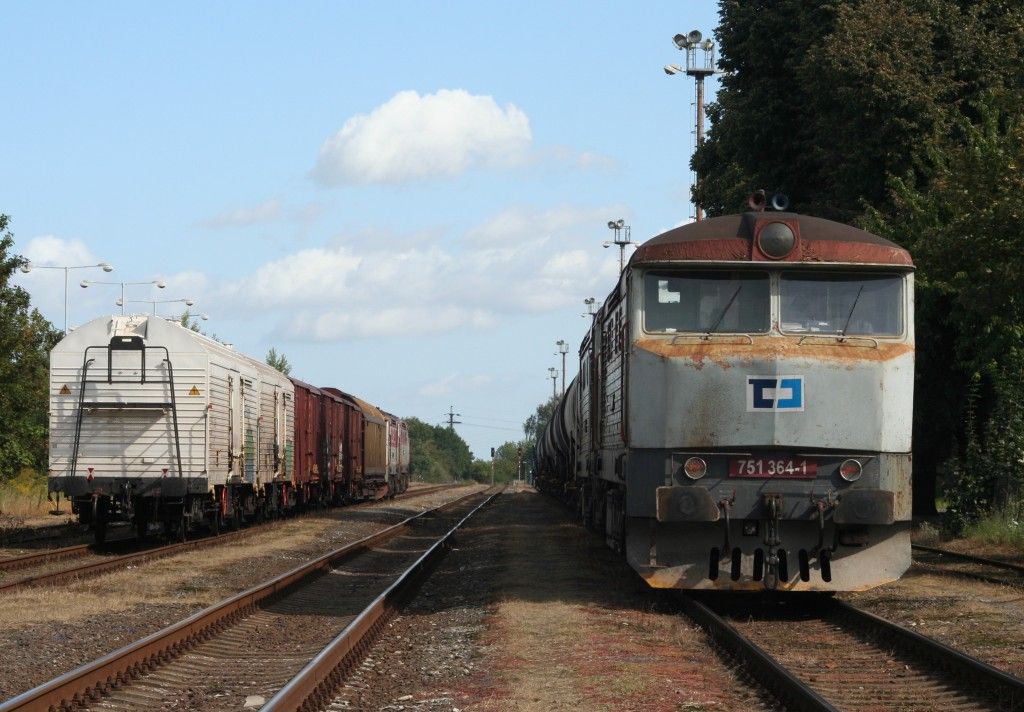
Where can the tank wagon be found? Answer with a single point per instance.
(742, 416)
(156, 424)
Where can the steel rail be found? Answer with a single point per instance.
(996, 563)
(314, 686)
(14, 563)
(1009, 686)
(118, 562)
(792, 692)
(88, 682)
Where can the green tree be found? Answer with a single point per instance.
(964, 232)
(438, 453)
(823, 101)
(897, 132)
(278, 361)
(26, 339)
(190, 322)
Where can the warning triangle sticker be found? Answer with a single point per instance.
(194, 391)
(64, 390)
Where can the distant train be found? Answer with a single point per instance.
(153, 423)
(742, 417)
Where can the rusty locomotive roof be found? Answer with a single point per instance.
(735, 238)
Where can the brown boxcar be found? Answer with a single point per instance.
(351, 449)
(308, 441)
(332, 443)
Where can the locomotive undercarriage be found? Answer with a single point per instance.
(702, 556)
(821, 533)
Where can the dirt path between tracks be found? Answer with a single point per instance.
(532, 612)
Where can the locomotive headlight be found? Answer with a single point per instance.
(695, 468)
(851, 470)
(776, 240)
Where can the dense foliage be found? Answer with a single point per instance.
(915, 134)
(439, 454)
(25, 342)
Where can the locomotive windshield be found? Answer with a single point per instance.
(867, 304)
(714, 301)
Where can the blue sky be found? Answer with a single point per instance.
(408, 199)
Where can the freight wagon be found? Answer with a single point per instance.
(156, 424)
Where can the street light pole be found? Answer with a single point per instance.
(86, 282)
(28, 267)
(563, 348)
(187, 301)
(553, 375)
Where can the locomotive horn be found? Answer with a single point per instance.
(757, 200)
(780, 201)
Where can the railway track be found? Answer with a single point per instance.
(821, 654)
(277, 640)
(976, 567)
(101, 561)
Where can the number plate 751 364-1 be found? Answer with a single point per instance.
(773, 467)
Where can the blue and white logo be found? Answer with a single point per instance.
(773, 393)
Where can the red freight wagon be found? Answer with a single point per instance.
(307, 441)
(398, 453)
(332, 446)
(351, 452)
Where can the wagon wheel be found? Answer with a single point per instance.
(235, 517)
(141, 526)
(100, 516)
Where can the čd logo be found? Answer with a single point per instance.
(771, 393)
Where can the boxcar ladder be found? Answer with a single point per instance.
(125, 343)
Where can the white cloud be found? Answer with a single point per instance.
(518, 224)
(49, 250)
(455, 383)
(395, 321)
(46, 286)
(265, 213)
(393, 288)
(412, 137)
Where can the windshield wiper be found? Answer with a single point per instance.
(849, 316)
(724, 312)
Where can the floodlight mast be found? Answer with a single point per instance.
(689, 43)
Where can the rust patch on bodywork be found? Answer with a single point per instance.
(726, 353)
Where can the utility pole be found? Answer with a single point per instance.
(689, 43)
(451, 415)
(493, 452)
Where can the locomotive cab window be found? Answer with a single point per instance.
(706, 302)
(843, 303)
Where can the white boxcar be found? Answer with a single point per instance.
(125, 444)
